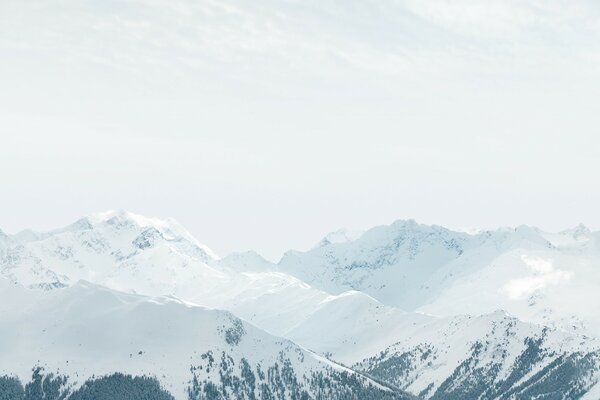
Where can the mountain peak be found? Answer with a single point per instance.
(168, 228)
(340, 236)
(411, 225)
(123, 217)
(248, 261)
(578, 231)
(406, 223)
(25, 235)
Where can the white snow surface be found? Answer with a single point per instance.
(88, 330)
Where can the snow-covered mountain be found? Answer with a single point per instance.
(104, 248)
(134, 254)
(488, 357)
(412, 306)
(458, 357)
(540, 277)
(390, 263)
(88, 330)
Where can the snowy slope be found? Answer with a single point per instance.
(490, 356)
(432, 356)
(246, 261)
(88, 330)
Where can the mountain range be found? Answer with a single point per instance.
(402, 311)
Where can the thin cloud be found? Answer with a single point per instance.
(544, 274)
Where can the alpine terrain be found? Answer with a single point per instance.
(120, 306)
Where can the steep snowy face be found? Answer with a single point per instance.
(87, 330)
(391, 263)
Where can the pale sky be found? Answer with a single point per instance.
(266, 124)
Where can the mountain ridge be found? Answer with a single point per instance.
(342, 310)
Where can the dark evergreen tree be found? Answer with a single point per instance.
(121, 387)
(45, 387)
(11, 388)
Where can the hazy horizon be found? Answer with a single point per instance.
(206, 241)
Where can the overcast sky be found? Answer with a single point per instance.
(265, 124)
